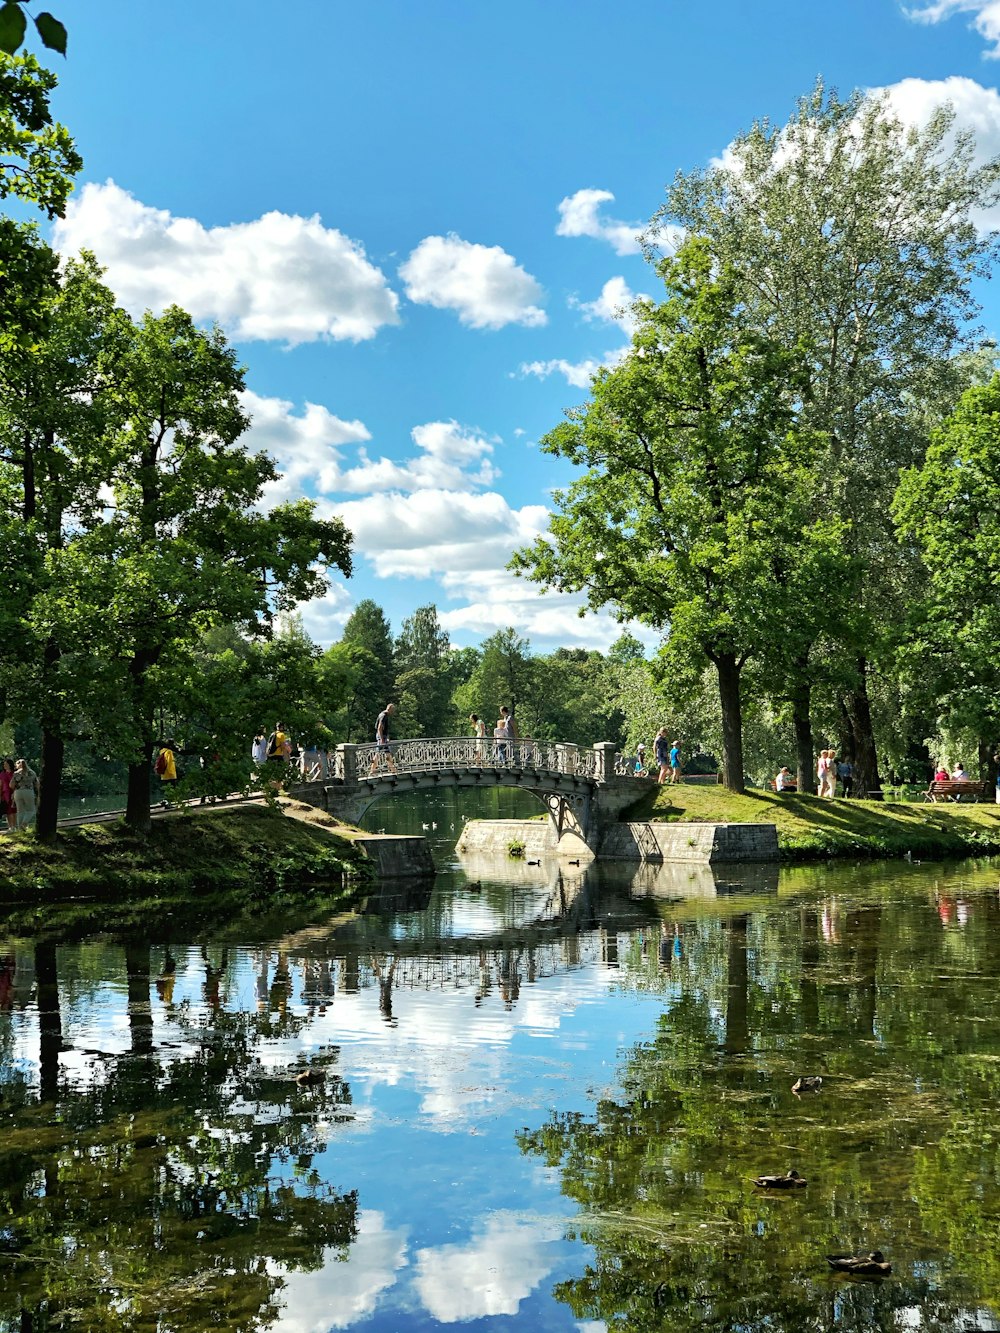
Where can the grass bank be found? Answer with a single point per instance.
(229, 857)
(809, 827)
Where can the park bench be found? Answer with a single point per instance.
(958, 789)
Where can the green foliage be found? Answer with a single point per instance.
(37, 157)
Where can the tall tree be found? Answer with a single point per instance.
(181, 546)
(691, 469)
(368, 630)
(947, 508)
(53, 450)
(423, 678)
(852, 235)
(505, 675)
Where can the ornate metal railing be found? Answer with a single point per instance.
(437, 753)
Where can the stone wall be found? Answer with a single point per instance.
(707, 844)
(494, 836)
(395, 857)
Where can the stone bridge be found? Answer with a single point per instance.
(577, 784)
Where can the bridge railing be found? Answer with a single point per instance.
(467, 752)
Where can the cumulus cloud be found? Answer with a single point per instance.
(448, 455)
(303, 444)
(577, 373)
(280, 277)
(986, 16)
(492, 1274)
(484, 285)
(579, 215)
(613, 306)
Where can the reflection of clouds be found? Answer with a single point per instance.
(343, 1291)
(492, 1274)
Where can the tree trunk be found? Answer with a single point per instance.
(732, 721)
(867, 782)
(802, 722)
(137, 814)
(988, 763)
(50, 782)
(137, 802)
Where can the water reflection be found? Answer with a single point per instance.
(527, 1098)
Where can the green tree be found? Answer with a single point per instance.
(181, 546)
(368, 630)
(37, 158)
(423, 679)
(505, 674)
(947, 509)
(852, 236)
(691, 468)
(54, 460)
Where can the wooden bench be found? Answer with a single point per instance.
(958, 789)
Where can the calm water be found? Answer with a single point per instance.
(545, 1095)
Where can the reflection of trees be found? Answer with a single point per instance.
(901, 1149)
(166, 1194)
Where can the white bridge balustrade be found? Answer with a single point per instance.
(577, 784)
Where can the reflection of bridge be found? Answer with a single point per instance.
(577, 784)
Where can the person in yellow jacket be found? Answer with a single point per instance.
(166, 766)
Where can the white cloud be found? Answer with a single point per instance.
(986, 20)
(577, 373)
(303, 445)
(492, 1274)
(448, 452)
(613, 306)
(483, 284)
(579, 215)
(280, 277)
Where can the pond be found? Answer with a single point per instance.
(529, 1099)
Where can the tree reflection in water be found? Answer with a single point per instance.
(901, 1149)
(165, 1191)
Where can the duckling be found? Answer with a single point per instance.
(310, 1076)
(808, 1083)
(861, 1265)
(791, 1181)
(573, 863)
(534, 863)
(475, 887)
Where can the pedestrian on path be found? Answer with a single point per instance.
(675, 762)
(383, 747)
(166, 767)
(25, 788)
(661, 753)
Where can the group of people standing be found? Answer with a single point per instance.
(667, 755)
(829, 771)
(18, 793)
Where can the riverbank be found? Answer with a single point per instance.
(810, 828)
(230, 856)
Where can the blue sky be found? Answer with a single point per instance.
(415, 219)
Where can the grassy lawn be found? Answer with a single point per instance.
(240, 852)
(808, 826)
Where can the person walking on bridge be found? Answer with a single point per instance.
(383, 749)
